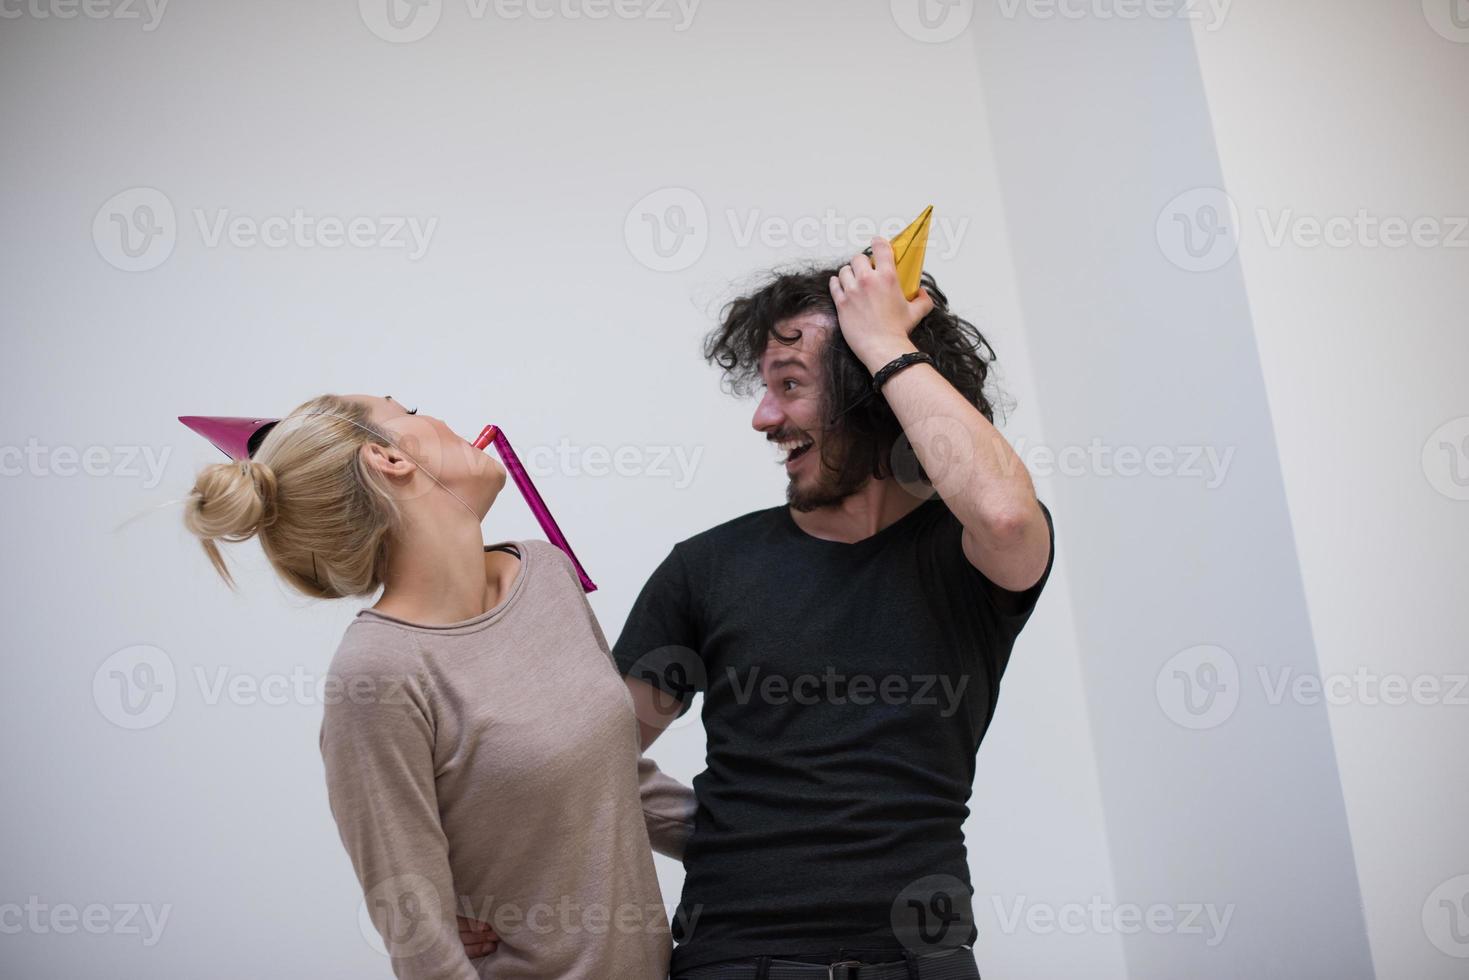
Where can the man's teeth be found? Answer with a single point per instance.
(789, 446)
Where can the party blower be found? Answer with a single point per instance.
(239, 438)
(494, 435)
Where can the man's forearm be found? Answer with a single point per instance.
(971, 464)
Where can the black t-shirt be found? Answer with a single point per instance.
(846, 690)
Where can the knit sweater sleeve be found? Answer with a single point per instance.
(377, 746)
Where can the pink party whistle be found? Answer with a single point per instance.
(494, 434)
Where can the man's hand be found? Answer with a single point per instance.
(479, 938)
(874, 316)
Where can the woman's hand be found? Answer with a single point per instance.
(479, 938)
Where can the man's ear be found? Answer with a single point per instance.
(387, 460)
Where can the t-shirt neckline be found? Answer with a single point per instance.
(483, 618)
(804, 535)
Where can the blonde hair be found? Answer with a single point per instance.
(322, 514)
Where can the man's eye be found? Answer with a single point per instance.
(789, 383)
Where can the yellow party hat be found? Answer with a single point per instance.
(909, 246)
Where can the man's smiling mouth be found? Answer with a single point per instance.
(793, 449)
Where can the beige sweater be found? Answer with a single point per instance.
(490, 768)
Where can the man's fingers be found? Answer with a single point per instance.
(882, 254)
(924, 302)
(847, 276)
(837, 293)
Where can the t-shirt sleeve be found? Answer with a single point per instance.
(377, 747)
(660, 642)
(1010, 609)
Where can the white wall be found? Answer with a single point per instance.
(1323, 110)
(1184, 576)
(531, 143)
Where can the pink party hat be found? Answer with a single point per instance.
(237, 438)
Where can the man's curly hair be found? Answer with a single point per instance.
(863, 425)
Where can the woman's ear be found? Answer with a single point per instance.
(387, 460)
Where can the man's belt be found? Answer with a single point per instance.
(950, 964)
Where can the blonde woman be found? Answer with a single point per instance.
(481, 752)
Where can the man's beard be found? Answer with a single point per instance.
(828, 490)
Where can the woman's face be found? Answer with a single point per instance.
(474, 476)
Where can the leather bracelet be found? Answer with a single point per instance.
(897, 364)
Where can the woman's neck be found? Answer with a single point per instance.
(439, 573)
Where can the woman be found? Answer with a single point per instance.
(481, 751)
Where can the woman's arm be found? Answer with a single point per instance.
(377, 746)
(668, 809)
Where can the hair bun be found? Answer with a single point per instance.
(265, 486)
(232, 501)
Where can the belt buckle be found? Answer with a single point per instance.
(844, 966)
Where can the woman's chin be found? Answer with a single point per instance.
(487, 496)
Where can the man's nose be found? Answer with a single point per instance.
(768, 415)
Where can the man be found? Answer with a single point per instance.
(850, 644)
